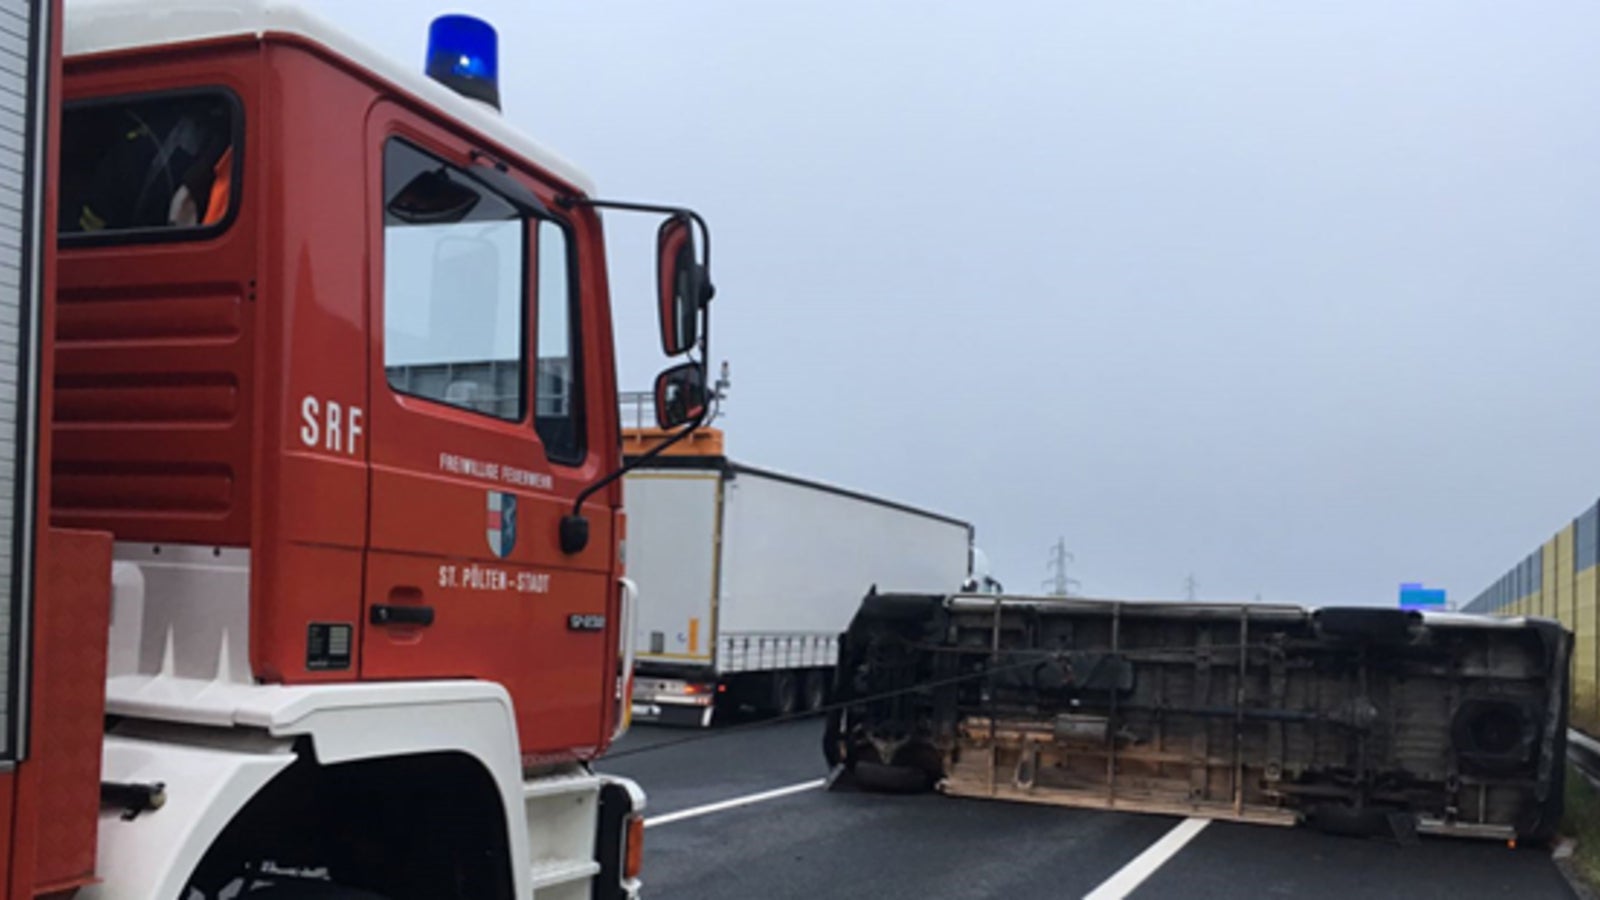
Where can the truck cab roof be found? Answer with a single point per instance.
(107, 26)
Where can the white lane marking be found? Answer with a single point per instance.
(746, 800)
(1145, 864)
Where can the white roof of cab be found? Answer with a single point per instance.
(98, 26)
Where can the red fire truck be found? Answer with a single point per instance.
(312, 530)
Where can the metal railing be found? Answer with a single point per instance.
(637, 409)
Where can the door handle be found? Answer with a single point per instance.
(394, 614)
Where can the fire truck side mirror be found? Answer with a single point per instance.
(680, 394)
(682, 285)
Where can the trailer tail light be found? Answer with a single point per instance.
(633, 862)
(696, 693)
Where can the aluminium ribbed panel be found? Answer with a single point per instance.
(15, 67)
(1587, 537)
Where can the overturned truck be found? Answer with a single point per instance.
(1353, 719)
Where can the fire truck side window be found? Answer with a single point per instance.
(454, 274)
(151, 167)
(558, 396)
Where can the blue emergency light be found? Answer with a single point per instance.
(1414, 596)
(463, 56)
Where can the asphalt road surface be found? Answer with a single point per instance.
(741, 814)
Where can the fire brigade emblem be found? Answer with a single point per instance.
(502, 529)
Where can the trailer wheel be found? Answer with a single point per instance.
(785, 692)
(816, 690)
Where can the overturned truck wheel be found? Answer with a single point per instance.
(1383, 626)
(914, 768)
(887, 779)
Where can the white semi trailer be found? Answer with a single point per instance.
(747, 577)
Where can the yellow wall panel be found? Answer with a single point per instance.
(1586, 650)
(1572, 569)
(1588, 590)
(1564, 562)
(1548, 577)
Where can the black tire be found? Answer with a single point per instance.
(1546, 827)
(815, 693)
(1347, 821)
(785, 693)
(833, 749)
(884, 779)
(1385, 626)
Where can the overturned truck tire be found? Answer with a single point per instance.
(886, 779)
(866, 772)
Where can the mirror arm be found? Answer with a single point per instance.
(574, 529)
(657, 450)
(688, 429)
(575, 525)
(568, 201)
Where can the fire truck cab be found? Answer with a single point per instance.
(324, 451)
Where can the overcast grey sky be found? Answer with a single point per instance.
(1298, 297)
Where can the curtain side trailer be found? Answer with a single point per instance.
(747, 578)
